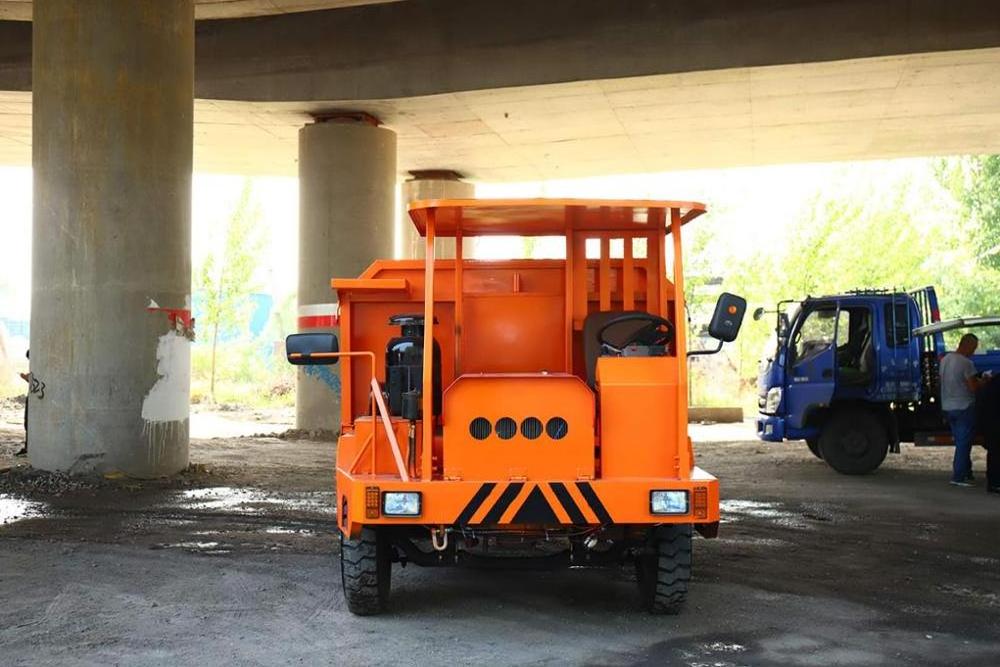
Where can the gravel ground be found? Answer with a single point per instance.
(234, 563)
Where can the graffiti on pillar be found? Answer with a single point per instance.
(324, 374)
(35, 386)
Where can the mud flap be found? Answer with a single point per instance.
(708, 530)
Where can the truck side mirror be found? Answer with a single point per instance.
(728, 317)
(312, 349)
(758, 313)
(783, 324)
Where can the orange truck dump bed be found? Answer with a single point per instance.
(546, 422)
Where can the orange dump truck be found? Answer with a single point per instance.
(522, 413)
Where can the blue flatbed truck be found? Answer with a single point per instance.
(856, 374)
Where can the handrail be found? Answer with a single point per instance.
(378, 405)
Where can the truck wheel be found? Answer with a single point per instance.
(854, 442)
(664, 569)
(813, 444)
(365, 570)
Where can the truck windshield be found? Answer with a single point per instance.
(815, 334)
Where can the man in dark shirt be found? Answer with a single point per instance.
(988, 418)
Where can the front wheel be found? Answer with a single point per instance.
(365, 570)
(663, 569)
(854, 441)
(813, 445)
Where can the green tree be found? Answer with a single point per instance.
(226, 280)
(861, 229)
(975, 181)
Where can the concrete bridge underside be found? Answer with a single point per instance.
(523, 90)
(115, 102)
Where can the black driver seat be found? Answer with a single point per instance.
(592, 346)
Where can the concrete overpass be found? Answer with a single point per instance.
(131, 95)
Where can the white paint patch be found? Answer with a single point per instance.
(170, 398)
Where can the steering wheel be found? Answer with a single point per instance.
(656, 331)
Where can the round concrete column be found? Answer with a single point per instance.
(112, 86)
(432, 184)
(347, 197)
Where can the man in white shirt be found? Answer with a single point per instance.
(959, 384)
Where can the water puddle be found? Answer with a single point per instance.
(210, 547)
(736, 510)
(982, 596)
(17, 509)
(280, 530)
(723, 647)
(255, 501)
(767, 542)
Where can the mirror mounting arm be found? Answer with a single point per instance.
(695, 353)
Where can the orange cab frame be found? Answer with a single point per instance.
(530, 412)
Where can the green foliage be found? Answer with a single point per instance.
(932, 224)
(245, 376)
(975, 181)
(226, 280)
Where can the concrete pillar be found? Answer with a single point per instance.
(113, 84)
(347, 198)
(432, 184)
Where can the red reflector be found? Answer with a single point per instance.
(701, 502)
(372, 497)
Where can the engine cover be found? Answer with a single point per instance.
(518, 426)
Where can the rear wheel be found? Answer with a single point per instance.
(813, 444)
(365, 570)
(663, 569)
(854, 441)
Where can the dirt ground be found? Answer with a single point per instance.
(235, 562)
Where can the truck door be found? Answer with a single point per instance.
(812, 365)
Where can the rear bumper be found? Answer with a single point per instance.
(525, 503)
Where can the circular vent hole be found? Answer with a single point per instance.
(480, 428)
(531, 428)
(557, 428)
(506, 428)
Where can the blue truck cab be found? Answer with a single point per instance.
(856, 374)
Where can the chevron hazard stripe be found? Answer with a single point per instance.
(533, 506)
(587, 491)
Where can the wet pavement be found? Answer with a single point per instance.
(235, 562)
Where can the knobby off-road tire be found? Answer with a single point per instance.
(664, 569)
(854, 441)
(365, 570)
(813, 445)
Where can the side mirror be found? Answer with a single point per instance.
(757, 314)
(312, 349)
(728, 317)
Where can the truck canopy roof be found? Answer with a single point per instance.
(545, 217)
(957, 323)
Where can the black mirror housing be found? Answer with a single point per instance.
(728, 317)
(301, 348)
(758, 314)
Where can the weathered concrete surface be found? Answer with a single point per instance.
(112, 233)
(347, 199)
(423, 47)
(20, 10)
(432, 184)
